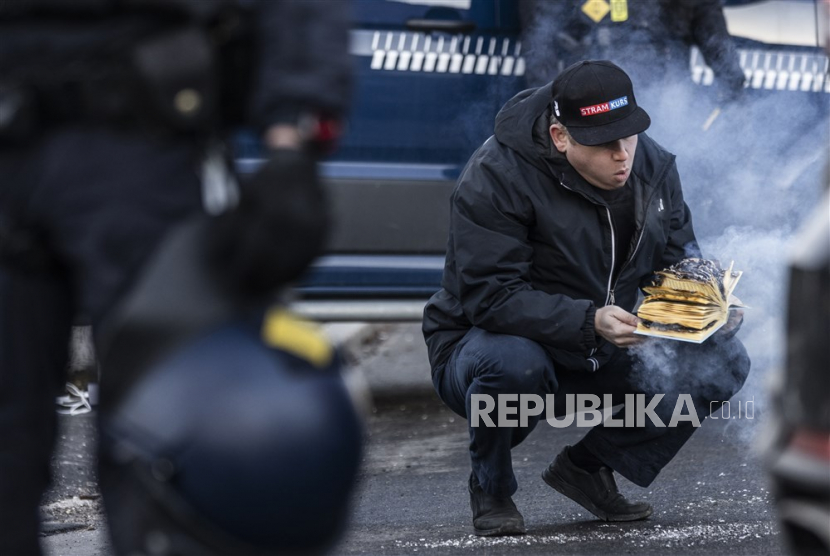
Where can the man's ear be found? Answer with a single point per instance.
(559, 138)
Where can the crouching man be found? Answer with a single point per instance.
(556, 221)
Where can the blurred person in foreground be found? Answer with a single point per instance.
(220, 419)
(797, 440)
(556, 222)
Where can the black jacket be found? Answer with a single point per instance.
(530, 249)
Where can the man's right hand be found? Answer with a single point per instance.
(617, 326)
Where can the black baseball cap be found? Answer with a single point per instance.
(595, 100)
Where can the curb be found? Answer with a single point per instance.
(358, 342)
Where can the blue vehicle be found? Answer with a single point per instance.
(430, 79)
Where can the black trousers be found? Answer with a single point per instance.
(94, 204)
(484, 363)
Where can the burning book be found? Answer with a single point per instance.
(688, 301)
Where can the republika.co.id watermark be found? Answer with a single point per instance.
(588, 410)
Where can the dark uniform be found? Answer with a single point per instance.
(650, 39)
(99, 160)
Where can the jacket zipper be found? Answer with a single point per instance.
(639, 239)
(625, 264)
(609, 297)
(636, 247)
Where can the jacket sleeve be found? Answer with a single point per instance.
(303, 61)
(489, 236)
(711, 36)
(681, 241)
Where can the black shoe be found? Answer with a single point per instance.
(596, 492)
(493, 516)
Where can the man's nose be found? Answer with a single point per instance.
(618, 151)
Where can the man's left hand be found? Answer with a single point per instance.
(736, 319)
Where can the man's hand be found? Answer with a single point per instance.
(736, 319)
(617, 326)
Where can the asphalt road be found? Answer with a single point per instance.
(712, 499)
(412, 496)
(72, 510)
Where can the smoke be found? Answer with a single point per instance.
(750, 178)
(752, 167)
(669, 366)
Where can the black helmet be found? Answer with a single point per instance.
(230, 446)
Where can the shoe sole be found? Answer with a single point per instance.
(503, 531)
(558, 484)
